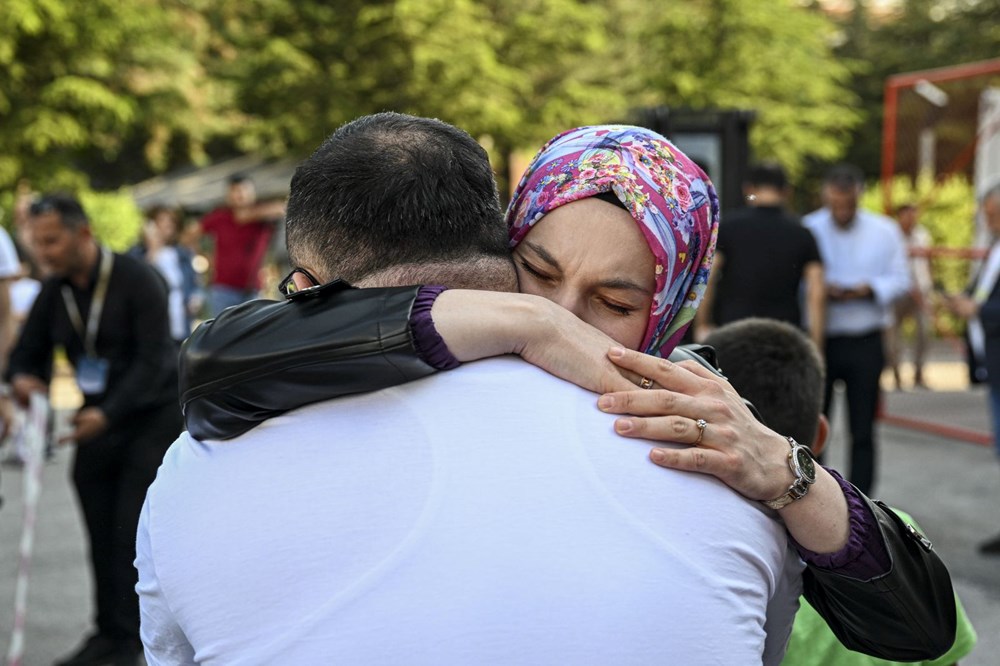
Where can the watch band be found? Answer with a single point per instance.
(803, 479)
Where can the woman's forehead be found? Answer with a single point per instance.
(593, 236)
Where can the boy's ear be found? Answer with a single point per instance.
(822, 432)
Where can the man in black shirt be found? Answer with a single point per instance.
(109, 312)
(764, 255)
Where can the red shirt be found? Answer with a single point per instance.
(239, 248)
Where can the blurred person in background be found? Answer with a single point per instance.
(241, 230)
(981, 307)
(109, 313)
(766, 263)
(913, 305)
(864, 259)
(10, 270)
(159, 247)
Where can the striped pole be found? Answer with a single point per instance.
(34, 437)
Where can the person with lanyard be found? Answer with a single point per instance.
(982, 309)
(109, 312)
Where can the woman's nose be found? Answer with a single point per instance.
(569, 299)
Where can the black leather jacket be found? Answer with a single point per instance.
(263, 358)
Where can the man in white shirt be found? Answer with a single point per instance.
(484, 515)
(864, 257)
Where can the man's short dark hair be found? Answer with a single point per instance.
(844, 177)
(238, 179)
(68, 207)
(767, 174)
(390, 190)
(777, 368)
(905, 208)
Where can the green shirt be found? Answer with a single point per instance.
(813, 644)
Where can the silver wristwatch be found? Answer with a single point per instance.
(804, 468)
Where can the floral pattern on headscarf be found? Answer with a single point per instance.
(668, 195)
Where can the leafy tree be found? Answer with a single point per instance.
(773, 57)
(83, 80)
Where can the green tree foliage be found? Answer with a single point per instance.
(81, 81)
(920, 35)
(771, 56)
(104, 93)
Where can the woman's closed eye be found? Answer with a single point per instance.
(622, 310)
(534, 272)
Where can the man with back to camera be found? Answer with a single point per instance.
(864, 258)
(765, 262)
(481, 515)
(242, 231)
(109, 312)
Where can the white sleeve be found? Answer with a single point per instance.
(781, 609)
(9, 265)
(894, 280)
(162, 638)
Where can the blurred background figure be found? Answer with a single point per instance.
(160, 248)
(981, 308)
(10, 269)
(864, 259)
(109, 313)
(241, 230)
(913, 305)
(765, 262)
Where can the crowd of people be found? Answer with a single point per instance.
(485, 513)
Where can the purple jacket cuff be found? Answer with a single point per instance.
(865, 556)
(430, 346)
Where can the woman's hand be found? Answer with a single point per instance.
(734, 446)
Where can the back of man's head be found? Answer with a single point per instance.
(396, 199)
(845, 178)
(767, 174)
(777, 368)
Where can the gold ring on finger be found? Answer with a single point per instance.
(645, 383)
(702, 425)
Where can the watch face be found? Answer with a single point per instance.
(805, 464)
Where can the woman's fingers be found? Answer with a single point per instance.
(659, 370)
(678, 429)
(694, 459)
(658, 402)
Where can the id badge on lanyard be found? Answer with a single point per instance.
(91, 370)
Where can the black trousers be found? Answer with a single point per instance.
(858, 362)
(111, 474)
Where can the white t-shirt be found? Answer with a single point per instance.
(486, 515)
(10, 267)
(168, 262)
(871, 251)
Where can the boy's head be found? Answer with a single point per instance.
(777, 368)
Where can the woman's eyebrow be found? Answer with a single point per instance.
(621, 283)
(543, 254)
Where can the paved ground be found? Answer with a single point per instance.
(951, 487)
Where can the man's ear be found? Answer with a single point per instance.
(301, 281)
(822, 432)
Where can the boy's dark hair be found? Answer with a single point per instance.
(68, 207)
(905, 208)
(237, 179)
(767, 174)
(844, 177)
(391, 190)
(777, 368)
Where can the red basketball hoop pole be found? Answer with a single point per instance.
(891, 103)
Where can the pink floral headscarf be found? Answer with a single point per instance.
(668, 195)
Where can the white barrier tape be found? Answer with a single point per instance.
(35, 431)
